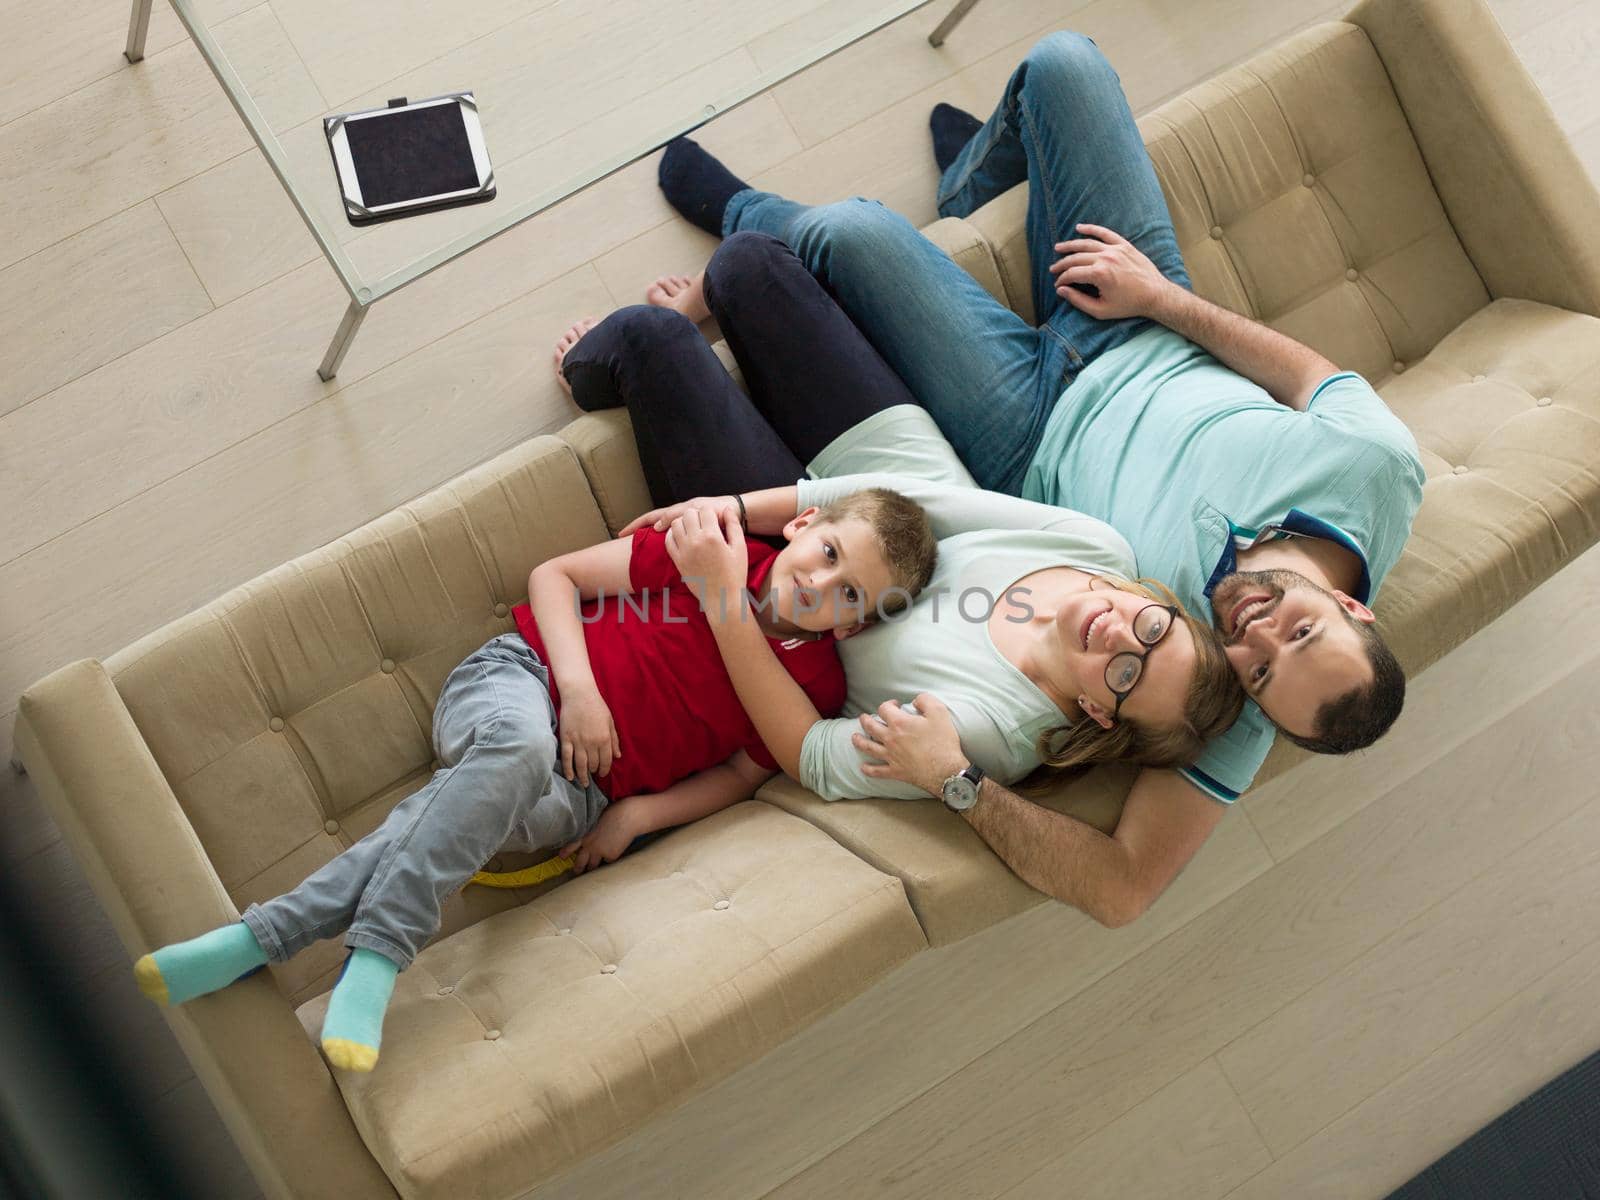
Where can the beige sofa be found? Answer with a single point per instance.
(1391, 190)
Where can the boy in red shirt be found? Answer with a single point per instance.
(639, 729)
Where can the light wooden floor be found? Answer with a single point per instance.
(1378, 956)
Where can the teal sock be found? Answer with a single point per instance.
(184, 970)
(354, 1025)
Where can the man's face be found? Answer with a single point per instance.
(1291, 643)
(830, 576)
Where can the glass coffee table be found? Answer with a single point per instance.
(569, 91)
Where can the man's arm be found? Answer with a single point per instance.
(1130, 285)
(1114, 879)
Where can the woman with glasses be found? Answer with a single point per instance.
(1030, 632)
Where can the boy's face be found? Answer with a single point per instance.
(830, 575)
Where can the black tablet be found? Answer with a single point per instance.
(410, 157)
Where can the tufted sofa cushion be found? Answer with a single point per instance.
(291, 714)
(543, 1034)
(1506, 411)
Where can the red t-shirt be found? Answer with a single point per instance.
(658, 668)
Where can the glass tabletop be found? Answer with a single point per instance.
(568, 91)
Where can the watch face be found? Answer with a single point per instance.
(960, 792)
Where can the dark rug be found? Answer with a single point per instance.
(1546, 1148)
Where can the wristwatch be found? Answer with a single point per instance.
(960, 791)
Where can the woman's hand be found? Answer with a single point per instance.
(711, 555)
(612, 834)
(921, 748)
(660, 518)
(589, 741)
(1130, 285)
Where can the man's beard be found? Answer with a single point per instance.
(1235, 587)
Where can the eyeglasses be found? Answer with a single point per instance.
(1150, 624)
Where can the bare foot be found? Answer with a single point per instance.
(568, 340)
(682, 294)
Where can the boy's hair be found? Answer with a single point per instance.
(903, 535)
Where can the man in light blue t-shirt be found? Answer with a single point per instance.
(1272, 491)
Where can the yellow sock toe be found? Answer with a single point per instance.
(148, 976)
(351, 1056)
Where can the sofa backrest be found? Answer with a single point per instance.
(291, 713)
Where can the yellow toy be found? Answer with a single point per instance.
(526, 877)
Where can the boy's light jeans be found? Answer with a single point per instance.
(499, 786)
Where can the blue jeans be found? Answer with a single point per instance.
(989, 379)
(497, 788)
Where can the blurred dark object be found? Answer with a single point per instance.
(67, 1128)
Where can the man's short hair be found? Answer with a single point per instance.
(901, 529)
(1362, 715)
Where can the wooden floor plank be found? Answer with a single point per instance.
(874, 74)
(87, 300)
(1500, 664)
(1518, 17)
(347, 53)
(1561, 54)
(1548, 1027)
(250, 363)
(122, 139)
(237, 226)
(1115, 1044)
(1191, 1139)
(1364, 1026)
(372, 446)
(52, 52)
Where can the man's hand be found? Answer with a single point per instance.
(921, 748)
(612, 834)
(660, 518)
(711, 555)
(1130, 285)
(589, 741)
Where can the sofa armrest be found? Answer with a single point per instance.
(123, 822)
(603, 442)
(1515, 191)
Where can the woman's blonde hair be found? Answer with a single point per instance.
(1213, 703)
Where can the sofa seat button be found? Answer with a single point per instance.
(1544, 401)
(677, 874)
(446, 990)
(501, 610)
(492, 1035)
(330, 827)
(388, 666)
(1478, 378)
(1216, 232)
(1460, 470)
(277, 724)
(1352, 274)
(609, 969)
(1309, 180)
(720, 904)
(1398, 367)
